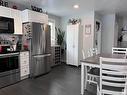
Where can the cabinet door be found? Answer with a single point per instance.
(24, 71)
(24, 64)
(75, 45)
(16, 14)
(37, 17)
(5, 12)
(70, 44)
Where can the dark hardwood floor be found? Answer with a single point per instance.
(62, 80)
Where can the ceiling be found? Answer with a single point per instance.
(65, 7)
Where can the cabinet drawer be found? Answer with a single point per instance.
(24, 57)
(25, 71)
(24, 63)
(24, 54)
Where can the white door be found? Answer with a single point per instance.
(70, 50)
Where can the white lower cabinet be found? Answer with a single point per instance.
(24, 71)
(24, 65)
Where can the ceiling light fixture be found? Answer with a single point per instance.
(76, 6)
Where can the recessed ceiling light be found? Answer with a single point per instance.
(76, 6)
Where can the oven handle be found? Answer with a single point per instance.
(10, 54)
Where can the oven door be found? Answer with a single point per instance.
(9, 65)
(6, 25)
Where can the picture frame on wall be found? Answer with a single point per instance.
(88, 29)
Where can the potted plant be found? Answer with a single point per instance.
(60, 37)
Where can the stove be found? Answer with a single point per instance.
(9, 68)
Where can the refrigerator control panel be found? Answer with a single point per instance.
(27, 30)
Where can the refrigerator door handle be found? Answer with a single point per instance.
(37, 56)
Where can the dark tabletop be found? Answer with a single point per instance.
(95, 59)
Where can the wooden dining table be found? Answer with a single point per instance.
(94, 61)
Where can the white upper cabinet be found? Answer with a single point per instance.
(5, 12)
(32, 16)
(16, 15)
(74, 44)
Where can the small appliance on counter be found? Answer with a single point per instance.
(14, 42)
(8, 49)
(36, 38)
(4, 49)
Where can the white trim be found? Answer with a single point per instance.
(53, 37)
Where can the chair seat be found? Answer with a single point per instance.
(94, 71)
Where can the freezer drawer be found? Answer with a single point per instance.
(41, 64)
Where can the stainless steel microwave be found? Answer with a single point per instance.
(6, 25)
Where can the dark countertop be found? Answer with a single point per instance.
(96, 58)
(23, 50)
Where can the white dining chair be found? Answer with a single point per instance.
(113, 77)
(116, 50)
(92, 73)
(93, 51)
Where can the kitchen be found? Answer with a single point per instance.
(31, 64)
(25, 46)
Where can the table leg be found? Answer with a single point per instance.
(85, 70)
(82, 79)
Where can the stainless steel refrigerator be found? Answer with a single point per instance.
(39, 44)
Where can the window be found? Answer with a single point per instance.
(52, 26)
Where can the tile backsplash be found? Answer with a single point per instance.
(9, 39)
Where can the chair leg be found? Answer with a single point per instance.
(89, 78)
(92, 78)
(97, 91)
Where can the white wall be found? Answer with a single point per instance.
(88, 39)
(108, 28)
(86, 19)
(124, 21)
(64, 21)
(22, 7)
(120, 24)
(116, 32)
(57, 20)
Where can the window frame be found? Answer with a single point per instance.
(53, 39)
